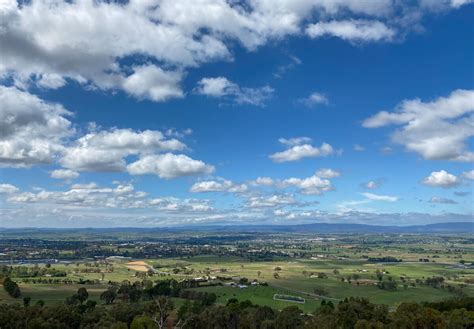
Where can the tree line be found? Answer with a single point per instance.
(351, 313)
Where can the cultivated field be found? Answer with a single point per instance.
(331, 269)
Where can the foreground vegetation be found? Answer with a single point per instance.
(161, 313)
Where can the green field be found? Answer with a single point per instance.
(291, 280)
(307, 266)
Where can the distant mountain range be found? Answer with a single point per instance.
(458, 227)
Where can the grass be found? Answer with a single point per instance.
(51, 294)
(260, 295)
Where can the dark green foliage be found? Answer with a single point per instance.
(387, 285)
(386, 259)
(109, 295)
(357, 313)
(435, 281)
(11, 287)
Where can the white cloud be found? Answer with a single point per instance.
(216, 87)
(295, 141)
(436, 130)
(377, 197)
(437, 199)
(105, 150)
(32, 131)
(64, 174)
(168, 166)
(459, 3)
(299, 152)
(51, 81)
(441, 179)
(101, 44)
(222, 87)
(42, 40)
(315, 99)
(8, 189)
(151, 82)
(327, 173)
(263, 181)
(123, 196)
(352, 30)
(171, 204)
(372, 185)
(359, 148)
(218, 186)
(87, 186)
(270, 201)
(468, 174)
(312, 185)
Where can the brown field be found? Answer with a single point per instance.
(139, 266)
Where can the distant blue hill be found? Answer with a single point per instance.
(458, 227)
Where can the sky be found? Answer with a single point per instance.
(170, 113)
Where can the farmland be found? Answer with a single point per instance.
(385, 269)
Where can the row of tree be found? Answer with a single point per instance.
(160, 313)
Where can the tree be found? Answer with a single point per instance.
(82, 295)
(142, 322)
(289, 318)
(109, 295)
(160, 310)
(26, 301)
(11, 287)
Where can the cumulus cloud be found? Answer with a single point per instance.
(123, 196)
(263, 181)
(315, 98)
(66, 174)
(222, 87)
(316, 184)
(437, 130)
(359, 148)
(468, 175)
(151, 82)
(218, 186)
(168, 166)
(32, 131)
(437, 199)
(299, 152)
(441, 179)
(327, 173)
(352, 30)
(50, 43)
(8, 188)
(270, 201)
(377, 197)
(170, 204)
(105, 150)
(313, 185)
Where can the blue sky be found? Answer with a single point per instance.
(121, 114)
